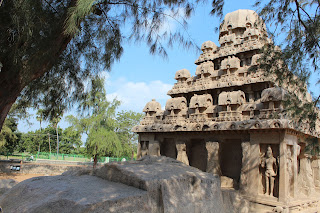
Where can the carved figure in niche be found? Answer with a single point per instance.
(289, 169)
(182, 153)
(270, 164)
(142, 149)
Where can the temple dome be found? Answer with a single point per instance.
(152, 106)
(184, 73)
(209, 45)
(240, 19)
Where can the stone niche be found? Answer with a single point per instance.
(231, 162)
(168, 148)
(269, 170)
(197, 154)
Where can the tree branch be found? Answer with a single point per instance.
(302, 22)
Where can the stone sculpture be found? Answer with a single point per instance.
(270, 164)
(182, 153)
(142, 149)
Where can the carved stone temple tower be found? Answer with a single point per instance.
(228, 120)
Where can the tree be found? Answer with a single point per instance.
(98, 122)
(125, 122)
(103, 142)
(70, 141)
(54, 120)
(9, 137)
(51, 48)
(30, 141)
(39, 118)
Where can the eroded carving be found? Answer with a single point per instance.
(213, 164)
(182, 153)
(270, 165)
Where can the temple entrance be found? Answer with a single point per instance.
(231, 161)
(197, 154)
(168, 148)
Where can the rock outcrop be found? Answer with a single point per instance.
(153, 184)
(6, 184)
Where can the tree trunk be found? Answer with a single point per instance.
(10, 88)
(49, 143)
(95, 161)
(57, 141)
(132, 155)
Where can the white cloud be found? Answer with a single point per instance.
(135, 95)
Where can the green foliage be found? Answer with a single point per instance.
(70, 141)
(109, 134)
(103, 142)
(125, 121)
(56, 47)
(9, 137)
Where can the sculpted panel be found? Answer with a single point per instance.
(269, 170)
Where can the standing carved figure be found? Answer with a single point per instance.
(182, 153)
(142, 149)
(289, 168)
(270, 164)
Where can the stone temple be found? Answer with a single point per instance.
(228, 120)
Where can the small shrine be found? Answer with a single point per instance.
(228, 120)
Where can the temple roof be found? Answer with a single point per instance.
(240, 19)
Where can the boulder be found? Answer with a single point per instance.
(153, 184)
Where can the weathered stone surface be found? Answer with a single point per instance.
(6, 185)
(171, 185)
(83, 193)
(153, 184)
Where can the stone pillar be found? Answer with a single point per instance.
(296, 152)
(244, 179)
(213, 164)
(139, 148)
(283, 184)
(182, 152)
(253, 174)
(251, 97)
(154, 148)
(316, 173)
(306, 180)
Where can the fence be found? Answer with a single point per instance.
(54, 156)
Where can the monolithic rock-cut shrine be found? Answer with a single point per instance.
(228, 120)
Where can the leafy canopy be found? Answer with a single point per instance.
(56, 47)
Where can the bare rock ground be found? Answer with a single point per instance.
(154, 184)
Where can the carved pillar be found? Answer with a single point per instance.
(182, 152)
(154, 148)
(283, 184)
(244, 183)
(253, 172)
(251, 97)
(139, 148)
(213, 164)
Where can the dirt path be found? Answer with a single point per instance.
(18, 177)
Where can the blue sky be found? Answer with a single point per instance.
(138, 76)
